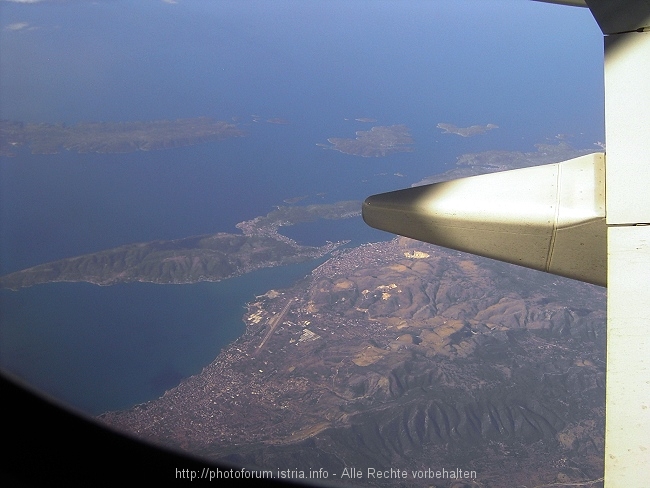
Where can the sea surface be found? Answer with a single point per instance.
(107, 348)
(319, 66)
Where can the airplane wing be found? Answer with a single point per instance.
(550, 218)
(588, 220)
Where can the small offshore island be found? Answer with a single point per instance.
(379, 141)
(472, 130)
(113, 137)
(193, 259)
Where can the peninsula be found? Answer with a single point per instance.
(212, 257)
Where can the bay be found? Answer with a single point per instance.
(105, 348)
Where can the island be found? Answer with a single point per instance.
(471, 164)
(466, 131)
(212, 257)
(379, 141)
(297, 199)
(113, 137)
(405, 355)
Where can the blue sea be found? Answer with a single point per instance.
(319, 65)
(107, 348)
